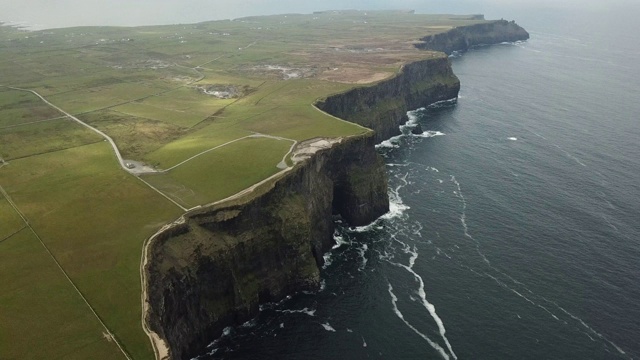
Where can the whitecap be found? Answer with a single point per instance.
(328, 327)
(430, 134)
(391, 143)
(434, 345)
(513, 138)
(305, 311)
(361, 252)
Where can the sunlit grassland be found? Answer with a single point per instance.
(194, 143)
(19, 107)
(85, 100)
(94, 217)
(42, 316)
(32, 139)
(222, 172)
(11, 221)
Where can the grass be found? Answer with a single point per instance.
(42, 316)
(19, 107)
(11, 222)
(39, 138)
(140, 85)
(222, 172)
(134, 136)
(94, 218)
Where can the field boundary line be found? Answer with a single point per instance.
(15, 207)
(14, 233)
(107, 137)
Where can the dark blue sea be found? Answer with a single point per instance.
(515, 223)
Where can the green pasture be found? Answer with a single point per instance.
(97, 98)
(222, 172)
(194, 143)
(134, 136)
(42, 316)
(19, 107)
(11, 221)
(44, 137)
(94, 217)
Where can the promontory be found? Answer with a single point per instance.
(159, 183)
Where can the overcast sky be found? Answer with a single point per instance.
(62, 13)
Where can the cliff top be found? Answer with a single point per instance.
(194, 113)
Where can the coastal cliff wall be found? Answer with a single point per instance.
(383, 107)
(214, 269)
(464, 37)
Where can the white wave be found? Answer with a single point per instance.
(349, 330)
(339, 241)
(463, 219)
(364, 343)
(513, 138)
(396, 209)
(394, 301)
(591, 329)
(281, 325)
(442, 103)
(328, 259)
(570, 156)
(423, 297)
(328, 327)
(305, 311)
(431, 168)
(391, 143)
(429, 134)
(361, 252)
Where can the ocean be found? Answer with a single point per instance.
(514, 231)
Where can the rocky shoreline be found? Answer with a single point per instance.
(213, 269)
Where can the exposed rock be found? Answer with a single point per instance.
(417, 130)
(215, 269)
(464, 37)
(383, 107)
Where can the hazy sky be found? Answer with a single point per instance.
(60, 13)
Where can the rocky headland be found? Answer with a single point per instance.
(215, 266)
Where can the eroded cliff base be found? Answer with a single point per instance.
(214, 269)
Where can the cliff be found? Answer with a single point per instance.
(215, 267)
(384, 107)
(464, 37)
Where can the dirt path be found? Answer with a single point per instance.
(105, 136)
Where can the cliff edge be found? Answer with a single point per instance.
(463, 37)
(215, 266)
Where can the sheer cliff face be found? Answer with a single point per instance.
(383, 107)
(215, 269)
(462, 38)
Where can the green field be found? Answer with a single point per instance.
(69, 271)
